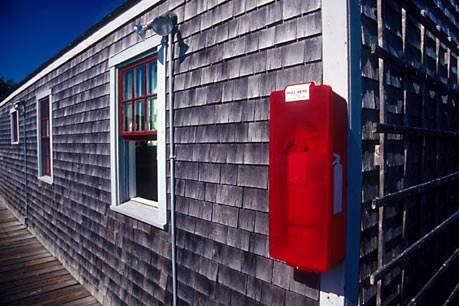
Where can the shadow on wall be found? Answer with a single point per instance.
(183, 47)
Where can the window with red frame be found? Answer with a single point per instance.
(138, 96)
(45, 138)
(138, 130)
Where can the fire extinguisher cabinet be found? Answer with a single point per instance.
(307, 176)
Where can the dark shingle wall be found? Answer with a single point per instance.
(412, 82)
(238, 52)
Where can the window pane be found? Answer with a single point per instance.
(127, 117)
(45, 128)
(44, 109)
(151, 114)
(139, 86)
(151, 78)
(45, 157)
(139, 170)
(127, 84)
(139, 115)
(146, 170)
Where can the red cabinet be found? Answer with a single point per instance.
(307, 176)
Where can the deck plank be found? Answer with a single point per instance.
(4, 219)
(23, 257)
(15, 244)
(22, 252)
(41, 290)
(12, 231)
(86, 301)
(33, 285)
(15, 238)
(15, 266)
(34, 279)
(55, 297)
(6, 225)
(29, 274)
(26, 272)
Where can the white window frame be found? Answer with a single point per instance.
(46, 94)
(151, 212)
(13, 110)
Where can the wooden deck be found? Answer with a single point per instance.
(29, 274)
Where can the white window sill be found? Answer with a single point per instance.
(15, 142)
(46, 179)
(142, 210)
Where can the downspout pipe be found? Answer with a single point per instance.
(172, 164)
(26, 192)
(17, 106)
(166, 25)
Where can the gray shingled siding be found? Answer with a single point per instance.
(412, 82)
(238, 53)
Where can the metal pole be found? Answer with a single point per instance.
(172, 160)
(26, 217)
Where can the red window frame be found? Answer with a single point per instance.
(45, 137)
(133, 99)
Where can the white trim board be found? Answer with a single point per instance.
(335, 58)
(335, 61)
(341, 69)
(112, 26)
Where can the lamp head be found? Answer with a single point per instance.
(16, 105)
(164, 24)
(140, 30)
(137, 28)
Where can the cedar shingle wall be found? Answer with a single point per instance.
(238, 52)
(411, 80)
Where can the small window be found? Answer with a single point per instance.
(44, 138)
(14, 126)
(138, 124)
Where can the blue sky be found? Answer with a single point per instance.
(33, 31)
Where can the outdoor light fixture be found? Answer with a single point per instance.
(164, 24)
(161, 25)
(16, 105)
